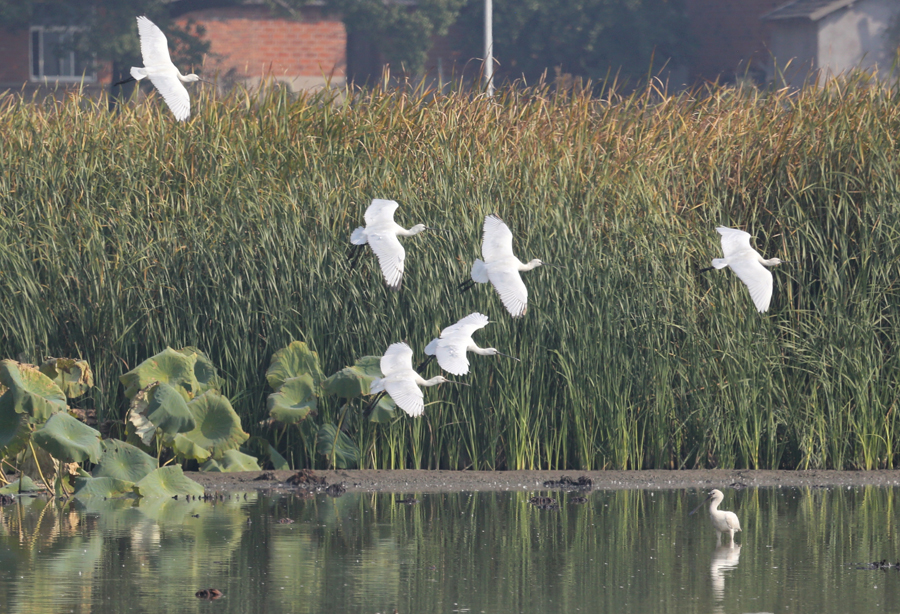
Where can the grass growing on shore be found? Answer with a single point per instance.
(123, 232)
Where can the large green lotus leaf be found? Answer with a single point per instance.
(204, 371)
(168, 482)
(218, 425)
(168, 411)
(169, 366)
(294, 400)
(352, 382)
(232, 460)
(68, 439)
(384, 411)
(33, 392)
(14, 431)
(12, 488)
(337, 446)
(123, 461)
(187, 448)
(293, 361)
(106, 487)
(74, 377)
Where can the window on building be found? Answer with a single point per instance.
(54, 57)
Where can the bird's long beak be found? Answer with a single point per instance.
(553, 266)
(508, 356)
(453, 381)
(436, 229)
(694, 511)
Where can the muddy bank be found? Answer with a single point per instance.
(454, 481)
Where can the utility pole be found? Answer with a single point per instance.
(489, 46)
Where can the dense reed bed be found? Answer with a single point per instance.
(123, 232)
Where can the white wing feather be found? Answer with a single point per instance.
(174, 93)
(398, 356)
(497, 240)
(733, 240)
(381, 211)
(467, 325)
(758, 280)
(154, 47)
(451, 355)
(407, 395)
(390, 254)
(509, 285)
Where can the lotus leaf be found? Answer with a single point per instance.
(167, 482)
(27, 484)
(74, 377)
(352, 382)
(294, 400)
(168, 411)
(169, 366)
(68, 439)
(293, 361)
(188, 448)
(337, 446)
(232, 460)
(137, 415)
(123, 461)
(14, 431)
(33, 393)
(204, 371)
(218, 426)
(384, 411)
(106, 487)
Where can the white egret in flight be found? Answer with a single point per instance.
(501, 267)
(159, 68)
(451, 347)
(381, 232)
(722, 522)
(747, 263)
(401, 381)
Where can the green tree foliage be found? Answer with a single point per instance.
(587, 38)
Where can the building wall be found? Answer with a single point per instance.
(729, 37)
(854, 37)
(14, 51)
(251, 43)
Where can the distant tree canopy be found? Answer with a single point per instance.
(586, 38)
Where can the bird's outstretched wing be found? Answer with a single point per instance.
(509, 285)
(390, 254)
(407, 395)
(174, 93)
(381, 211)
(497, 239)
(398, 356)
(758, 279)
(451, 355)
(733, 240)
(467, 325)
(154, 47)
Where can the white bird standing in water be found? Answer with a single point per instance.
(381, 232)
(747, 263)
(723, 522)
(451, 347)
(401, 381)
(159, 68)
(501, 267)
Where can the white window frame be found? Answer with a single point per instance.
(87, 77)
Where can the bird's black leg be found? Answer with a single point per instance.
(421, 368)
(466, 285)
(372, 405)
(123, 81)
(709, 268)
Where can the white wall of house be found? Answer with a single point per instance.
(854, 37)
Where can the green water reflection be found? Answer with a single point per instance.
(623, 551)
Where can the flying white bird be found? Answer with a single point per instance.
(451, 347)
(401, 381)
(747, 264)
(159, 68)
(381, 232)
(501, 267)
(722, 522)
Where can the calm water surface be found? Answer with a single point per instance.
(622, 551)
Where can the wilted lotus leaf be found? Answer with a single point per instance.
(169, 366)
(33, 393)
(137, 415)
(352, 382)
(74, 377)
(25, 483)
(204, 371)
(106, 487)
(187, 448)
(293, 361)
(218, 425)
(167, 482)
(14, 431)
(383, 410)
(167, 410)
(294, 401)
(337, 446)
(123, 461)
(232, 460)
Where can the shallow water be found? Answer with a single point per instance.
(622, 551)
